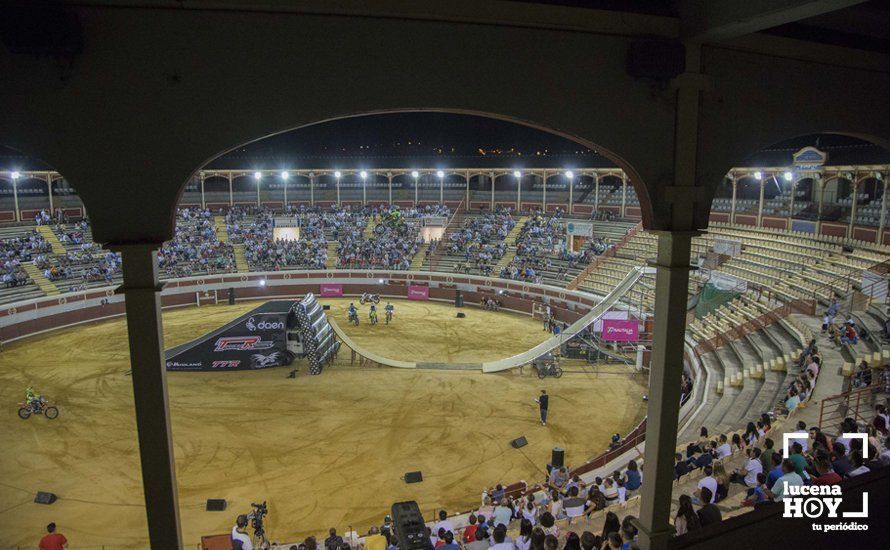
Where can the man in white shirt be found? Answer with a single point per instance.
(804, 442)
(240, 540)
(789, 478)
(708, 481)
(499, 538)
(753, 466)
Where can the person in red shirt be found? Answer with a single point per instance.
(827, 475)
(53, 540)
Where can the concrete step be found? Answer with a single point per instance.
(418, 260)
(35, 274)
(240, 259)
(222, 234)
(47, 233)
(331, 262)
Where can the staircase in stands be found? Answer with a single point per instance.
(240, 258)
(417, 260)
(456, 221)
(222, 234)
(47, 233)
(510, 240)
(36, 275)
(331, 262)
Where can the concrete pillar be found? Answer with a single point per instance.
(49, 192)
(571, 197)
(442, 190)
(203, 203)
(596, 192)
(231, 192)
(735, 184)
(791, 206)
(467, 199)
(258, 203)
(820, 190)
(389, 180)
(491, 174)
(519, 194)
(760, 204)
(284, 187)
(544, 199)
(15, 198)
(853, 209)
(883, 211)
(623, 193)
(365, 190)
(416, 185)
(311, 189)
(338, 191)
(145, 335)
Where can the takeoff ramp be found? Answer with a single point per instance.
(510, 362)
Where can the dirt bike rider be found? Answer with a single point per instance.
(34, 399)
(353, 314)
(373, 314)
(388, 309)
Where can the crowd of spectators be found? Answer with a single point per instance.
(87, 264)
(481, 240)
(195, 247)
(264, 252)
(14, 251)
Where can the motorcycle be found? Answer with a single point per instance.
(369, 298)
(44, 408)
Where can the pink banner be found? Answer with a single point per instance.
(418, 292)
(616, 330)
(331, 290)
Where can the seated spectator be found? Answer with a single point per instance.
(469, 534)
(374, 540)
(722, 480)
(524, 540)
(632, 476)
(595, 500)
(449, 542)
(479, 540)
(858, 464)
(610, 526)
(722, 450)
(841, 464)
(548, 524)
(558, 478)
(766, 455)
(708, 482)
(574, 505)
(589, 541)
(797, 458)
(499, 536)
(443, 523)
(681, 467)
(827, 476)
(686, 519)
(789, 478)
(709, 513)
(334, 541)
(748, 475)
(756, 495)
(881, 421)
(502, 514)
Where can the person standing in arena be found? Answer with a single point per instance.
(388, 309)
(543, 404)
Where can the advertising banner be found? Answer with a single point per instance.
(615, 314)
(579, 229)
(616, 330)
(331, 290)
(418, 292)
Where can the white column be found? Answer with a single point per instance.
(492, 190)
(791, 206)
(284, 187)
(735, 182)
(311, 189)
(820, 188)
(623, 192)
(146, 345)
(519, 194)
(389, 179)
(467, 199)
(416, 186)
(15, 198)
(231, 192)
(571, 199)
(855, 183)
(258, 191)
(442, 190)
(338, 191)
(760, 204)
(596, 196)
(203, 203)
(49, 192)
(365, 190)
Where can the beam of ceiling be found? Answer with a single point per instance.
(718, 20)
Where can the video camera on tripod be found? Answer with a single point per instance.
(256, 519)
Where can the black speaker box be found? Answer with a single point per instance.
(557, 457)
(461, 314)
(409, 527)
(231, 296)
(216, 504)
(45, 498)
(519, 442)
(413, 477)
(326, 307)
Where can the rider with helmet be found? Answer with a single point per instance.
(373, 314)
(34, 399)
(389, 309)
(353, 314)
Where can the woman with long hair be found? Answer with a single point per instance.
(751, 434)
(573, 541)
(537, 539)
(612, 525)
(722, 480)
(687, 519)
(524, 540)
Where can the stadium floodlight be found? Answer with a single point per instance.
(262, 282)
(758, 175)
(570, 174)
(415, 174)
(285, 175)
(380, 281)
(517, 174)
(16, 175)
(788, 176)
(257, 175)
(337, 174)
(363, 174)
(440, 174)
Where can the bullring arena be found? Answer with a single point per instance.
(530, 275)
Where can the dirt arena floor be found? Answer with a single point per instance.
(323, 450)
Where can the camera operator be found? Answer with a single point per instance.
(240, 539)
